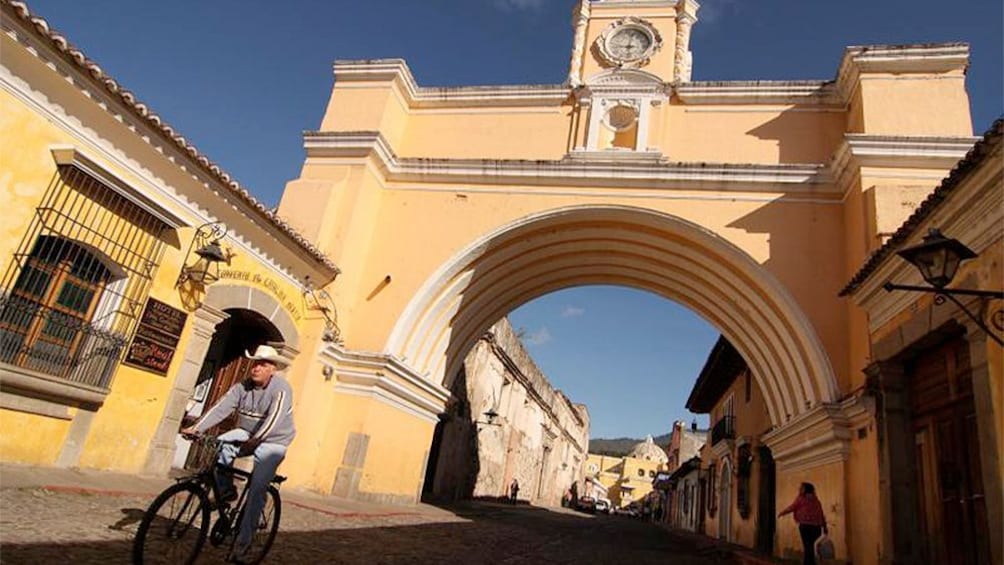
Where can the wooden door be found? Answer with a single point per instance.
(766, 523)
(951, 505)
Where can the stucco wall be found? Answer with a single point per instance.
(538, 436)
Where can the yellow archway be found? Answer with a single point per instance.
(624, 246)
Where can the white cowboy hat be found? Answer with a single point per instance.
(268, 353)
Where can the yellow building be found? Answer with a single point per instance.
(627, 479)
(936, 376)
(740, 495)
(750, 202)
(135, 271)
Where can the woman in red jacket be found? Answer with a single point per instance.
(809, 517)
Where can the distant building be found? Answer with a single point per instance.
(628, 479)
(506, 422)
(684, 443)
(686, 496)
(739, 495)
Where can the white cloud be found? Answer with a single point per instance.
(713, 10)
(572, 312)
(539, 337)
(511, 5)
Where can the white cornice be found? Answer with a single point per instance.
(620, 4)
(899, 59)
(599, 170)
(818, 436)
(815, 92)
(382, 363)
(368, 74)
(899, 152)
(927, 58)
(385, 379)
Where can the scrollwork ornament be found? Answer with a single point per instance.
(997, 319)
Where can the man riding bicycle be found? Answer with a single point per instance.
(264, 406)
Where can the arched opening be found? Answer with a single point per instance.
(225, 364)
(621, 246)
(725, 500)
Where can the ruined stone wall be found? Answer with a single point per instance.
(538, 436)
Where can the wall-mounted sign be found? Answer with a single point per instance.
(156, 337)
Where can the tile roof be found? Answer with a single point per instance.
(719, 372)
(984, 149)
(141, 110)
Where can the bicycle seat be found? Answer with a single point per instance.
(278, 479)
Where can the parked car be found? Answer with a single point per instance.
(630, 511)
(587, 504)
(602, 505)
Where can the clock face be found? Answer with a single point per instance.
(629, 43)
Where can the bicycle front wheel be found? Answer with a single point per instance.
(174, 528)
(266, 527)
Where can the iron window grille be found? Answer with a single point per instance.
(76, 286)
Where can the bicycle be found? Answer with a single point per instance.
(175, 527)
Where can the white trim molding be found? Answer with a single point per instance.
(577, 170)
(71, 156)
(371, 73)
(895, 152)
(819, 436)
(386, 379)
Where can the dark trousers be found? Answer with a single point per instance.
(809, 536)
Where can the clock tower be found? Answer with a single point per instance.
(626, 54)
(649, 35)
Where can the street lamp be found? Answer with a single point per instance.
(490, 415)
(206, 269)
(938, 258)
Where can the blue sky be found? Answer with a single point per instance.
(242, 79)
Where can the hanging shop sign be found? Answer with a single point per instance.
(156, 337)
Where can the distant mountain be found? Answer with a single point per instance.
(621, 446)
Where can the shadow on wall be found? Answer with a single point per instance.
(454, 463)
(806, 250)
(803, 137)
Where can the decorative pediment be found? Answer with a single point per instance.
(624, 77)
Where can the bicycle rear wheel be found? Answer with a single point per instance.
(174, 528)
(265, 530)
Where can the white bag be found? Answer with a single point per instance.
(824, 548)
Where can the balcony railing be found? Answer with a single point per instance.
(68, 349)
(725, 428)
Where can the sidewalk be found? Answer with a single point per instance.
(88, 481)
(722, 549)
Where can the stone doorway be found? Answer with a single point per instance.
(225, 364)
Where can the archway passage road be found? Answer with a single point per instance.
(45, 526)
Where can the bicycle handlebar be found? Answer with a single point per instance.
(207, 437)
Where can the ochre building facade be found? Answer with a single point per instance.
(750, 202)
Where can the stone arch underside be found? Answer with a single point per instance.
(622, 246)
(225, 296)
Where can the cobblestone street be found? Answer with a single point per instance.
(41, 525)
